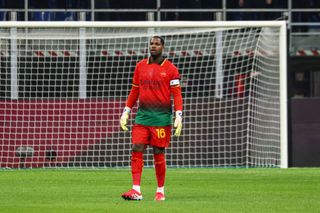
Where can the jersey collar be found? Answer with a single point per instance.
(161, 62)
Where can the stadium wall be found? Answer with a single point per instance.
(305, 132)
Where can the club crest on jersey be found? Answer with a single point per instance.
(163, 74)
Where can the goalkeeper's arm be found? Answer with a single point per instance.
(178, 106)
(131, 101)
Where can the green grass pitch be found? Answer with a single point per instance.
(187, 190)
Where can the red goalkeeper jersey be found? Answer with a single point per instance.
(154, 83)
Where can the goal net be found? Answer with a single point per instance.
(64, 85)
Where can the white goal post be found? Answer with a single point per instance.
(64, 85)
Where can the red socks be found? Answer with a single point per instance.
(160, 166)
(136, 167)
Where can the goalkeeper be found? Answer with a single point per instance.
(155, 80)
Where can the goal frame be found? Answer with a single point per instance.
(223, 24)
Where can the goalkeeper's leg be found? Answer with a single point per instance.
(136, 171)
(160, 167)
(160, 140)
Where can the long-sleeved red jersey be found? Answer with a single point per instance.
(153, 84)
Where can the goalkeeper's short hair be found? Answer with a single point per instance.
(159, 37)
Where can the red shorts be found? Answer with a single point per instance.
(151, 135)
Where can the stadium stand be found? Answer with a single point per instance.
(303, 16)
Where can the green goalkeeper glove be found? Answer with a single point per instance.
(124, 118)
(178, 123)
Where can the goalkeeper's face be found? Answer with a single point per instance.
(156, 47)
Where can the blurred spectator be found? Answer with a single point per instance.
(194, 4)
(72, 4)
(254, 4)
(3, 14)
(9, 4)
(189, 4)
(170, 4)
(16, 4)
(67, 16)
(212, 5)
(102, 4)
(234, 4)
(307, 17)
(42, 15)
(131, 4)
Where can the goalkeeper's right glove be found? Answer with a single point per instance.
(124, 118)
(178, 123)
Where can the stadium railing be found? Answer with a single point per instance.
(302, 22)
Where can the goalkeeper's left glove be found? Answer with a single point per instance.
(178, 123)
(124, 118)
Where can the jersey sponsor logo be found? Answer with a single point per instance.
(174, 82)
(150, 84)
